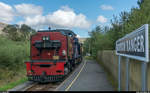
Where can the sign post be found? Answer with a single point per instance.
(119, 73)
(135, 46)
(144, 79)
(127, 74)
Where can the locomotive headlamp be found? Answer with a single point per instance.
(44, 38)
(47, 38)
(64, 53)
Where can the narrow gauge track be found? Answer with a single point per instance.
(43, 87)
(47, 86)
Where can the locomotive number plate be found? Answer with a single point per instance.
(55, 57)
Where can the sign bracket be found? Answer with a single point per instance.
(134, 45)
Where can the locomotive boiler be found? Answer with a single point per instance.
(53, 54)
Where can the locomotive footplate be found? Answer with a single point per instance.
(44, 79)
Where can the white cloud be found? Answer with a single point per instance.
(6, 13)
(32, 15)
(78, 36)
(64, 17)
(28, 10)
(101, 19)
(36, 21)
(106, 7)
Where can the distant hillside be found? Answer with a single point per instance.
(81, 40)
(2, 25)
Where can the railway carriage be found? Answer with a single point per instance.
(53, 54)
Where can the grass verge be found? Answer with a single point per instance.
(12, 67)
(13, 84)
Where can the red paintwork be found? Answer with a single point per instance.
(45, 53)
(49, 70)
(48, 54)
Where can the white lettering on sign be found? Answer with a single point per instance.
(134, 44)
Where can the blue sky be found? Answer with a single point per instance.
(79, 15)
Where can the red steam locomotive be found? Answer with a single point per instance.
(53, 54)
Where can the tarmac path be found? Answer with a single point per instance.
(89, 76)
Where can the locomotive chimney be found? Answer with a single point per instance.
(49, 28)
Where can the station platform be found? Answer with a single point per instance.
(88, 76)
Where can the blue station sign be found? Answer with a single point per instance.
(135, 44)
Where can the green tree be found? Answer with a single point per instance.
(105, 38)
(16, 33)
(12, 32)
(26, 31)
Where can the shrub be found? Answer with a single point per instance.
(13, 54)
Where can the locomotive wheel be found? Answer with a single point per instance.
(73, 64)
(70, 67)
